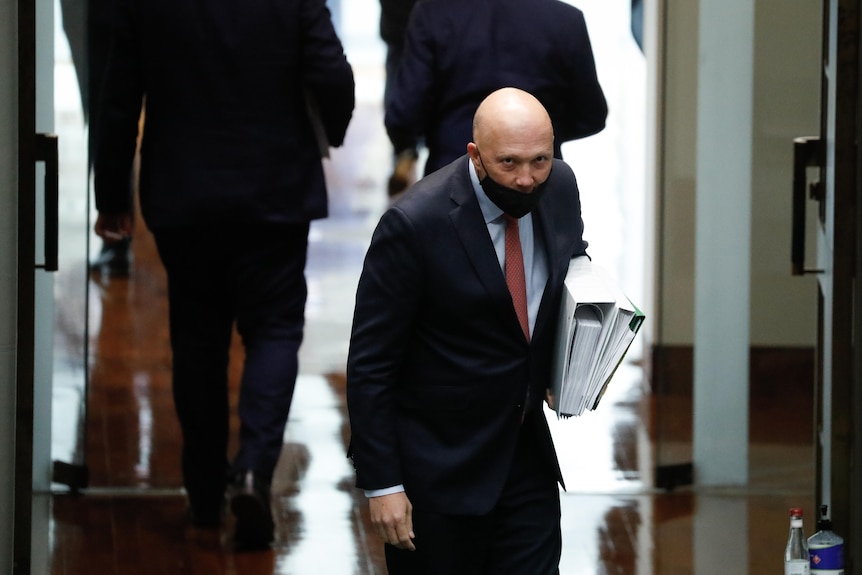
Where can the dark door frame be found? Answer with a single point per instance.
(23, 486)
(840, 171)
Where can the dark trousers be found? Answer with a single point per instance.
(252, 276)
(520, 536)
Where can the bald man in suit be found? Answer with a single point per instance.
(447, 373)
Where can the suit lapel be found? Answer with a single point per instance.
(478, 246)
(469, 224)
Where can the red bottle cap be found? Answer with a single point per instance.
(796, 512)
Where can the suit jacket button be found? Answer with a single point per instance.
(519, 406)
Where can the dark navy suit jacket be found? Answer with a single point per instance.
(459, 51)
(439, 372)
(227, 133)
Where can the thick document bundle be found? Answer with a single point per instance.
(597, 325)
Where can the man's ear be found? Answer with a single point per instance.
(473, 152)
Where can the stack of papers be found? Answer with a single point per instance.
(597, 325)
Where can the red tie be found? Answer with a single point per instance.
(514, 266)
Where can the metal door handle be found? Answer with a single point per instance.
(806, 154)
(46, 151)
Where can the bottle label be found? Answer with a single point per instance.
(797, 567)
(826, 558)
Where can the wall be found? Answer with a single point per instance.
(786, 105)
(676, 174)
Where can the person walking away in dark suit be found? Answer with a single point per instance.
(458, 52)
(230, 179)
(451, 350)
(394, 15)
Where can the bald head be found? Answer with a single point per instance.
(511, 113)
(513, 140)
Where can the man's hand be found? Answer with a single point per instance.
(113, 227)
(392, 516)
(549, 398)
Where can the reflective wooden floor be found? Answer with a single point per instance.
(130, 519)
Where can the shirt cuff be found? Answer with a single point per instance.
(386, 491)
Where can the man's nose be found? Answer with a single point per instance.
(524, 177)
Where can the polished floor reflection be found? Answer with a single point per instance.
(131, 517)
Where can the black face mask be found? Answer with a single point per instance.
(516, 204)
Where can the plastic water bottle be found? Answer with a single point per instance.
(825, 548)
(796, 558)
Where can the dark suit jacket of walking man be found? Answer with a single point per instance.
(457, 52)
(444, 390)
(230, 179)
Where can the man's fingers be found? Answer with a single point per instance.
(549, 398)
(113, 227)
(399, 536)
(392, 517)
(405, 541)
(404, 532)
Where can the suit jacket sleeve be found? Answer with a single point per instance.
(387, 297)
(584, 110)
(415, 85)
(326, 73)
(120, 111)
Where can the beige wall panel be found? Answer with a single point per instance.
(675, 273)
(786, 105)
